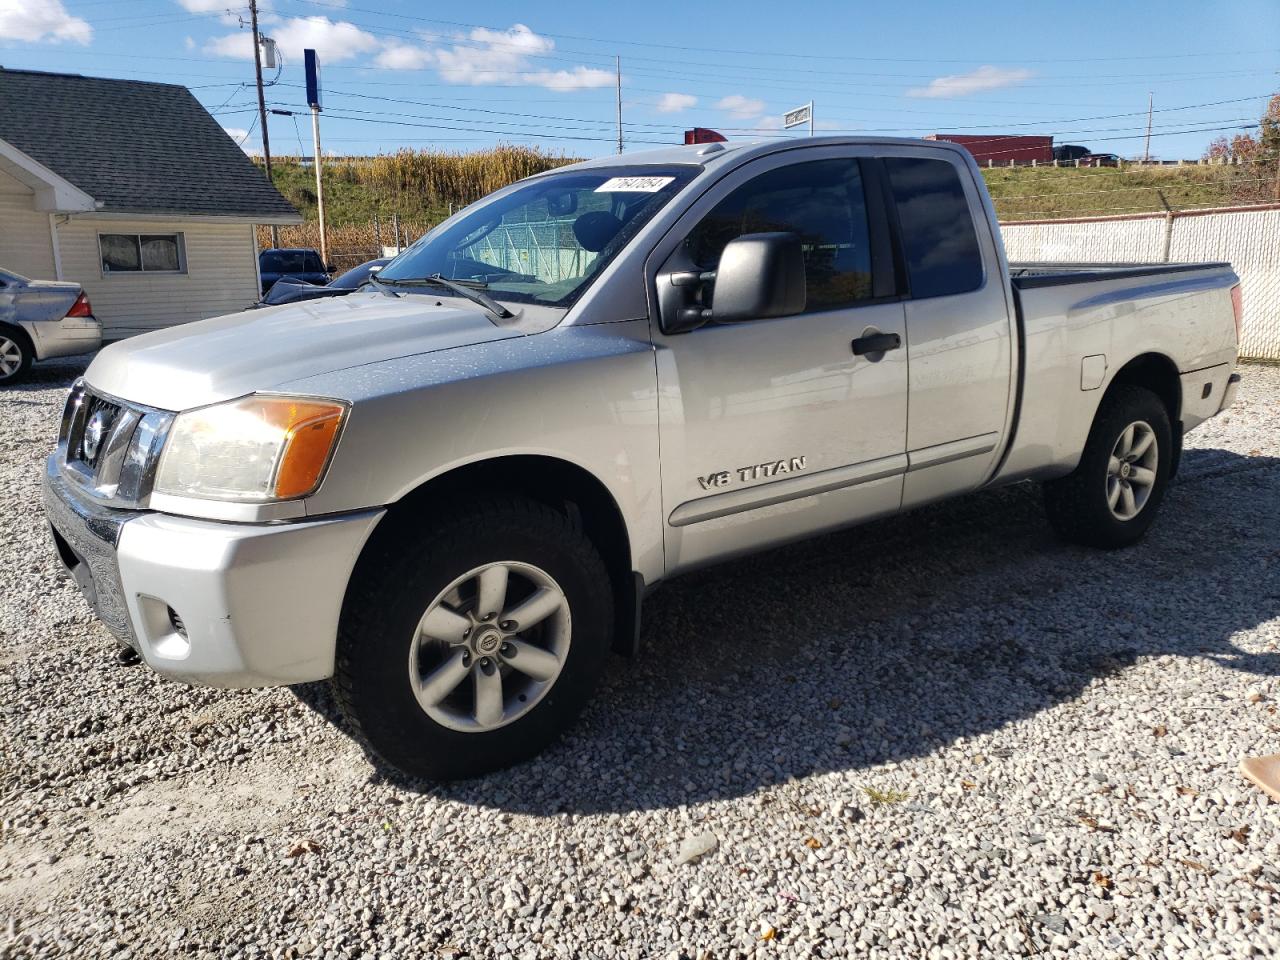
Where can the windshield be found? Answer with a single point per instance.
(546, 240)
(356, 275)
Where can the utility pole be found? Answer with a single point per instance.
(617, 62)
(315, 137)
(1146, 150)
(262, 104)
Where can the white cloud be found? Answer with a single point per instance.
(486, 57)
(333, 40)
(740, 107)
(205, 6)
(404, 56)
(579, 78)
(238, 46)
(222, 6)
(238, 134)
(675, 102)
(964, 84)
(36, 21)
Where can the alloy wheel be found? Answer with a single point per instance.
(1131, 470)
(10, 358)
(490, 646)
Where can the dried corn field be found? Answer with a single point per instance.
(366, 198)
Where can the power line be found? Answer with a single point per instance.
(766, 53)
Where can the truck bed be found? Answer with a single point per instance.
(1067, 312)
(1029, 274)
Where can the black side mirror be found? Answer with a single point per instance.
(760, 276)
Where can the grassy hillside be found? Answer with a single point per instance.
(1022, 193)
(421, 186)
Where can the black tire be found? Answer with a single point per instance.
(14, 339)
(398, 577)
(1077, 503)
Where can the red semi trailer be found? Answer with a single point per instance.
(1000, 148)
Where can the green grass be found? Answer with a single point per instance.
(1022, 193)
(885, 798)
(421, 186)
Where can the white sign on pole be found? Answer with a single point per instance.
(799, 117)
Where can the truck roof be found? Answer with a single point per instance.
(712, 154)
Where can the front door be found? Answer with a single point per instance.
(774, 429)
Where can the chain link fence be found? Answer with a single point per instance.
(1249, 238)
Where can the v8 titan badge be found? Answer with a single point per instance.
(773, 468)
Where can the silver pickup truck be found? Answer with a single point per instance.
(450, 491)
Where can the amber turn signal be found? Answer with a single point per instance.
(310, 428)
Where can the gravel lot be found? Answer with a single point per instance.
(941, 735)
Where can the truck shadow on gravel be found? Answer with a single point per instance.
(895, 639)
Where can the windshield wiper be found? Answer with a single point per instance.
(472, 291)
(383, 288)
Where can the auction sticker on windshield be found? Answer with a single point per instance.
(634, 184)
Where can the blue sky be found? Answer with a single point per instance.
(543, 73)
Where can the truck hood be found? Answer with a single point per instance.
(225, 357)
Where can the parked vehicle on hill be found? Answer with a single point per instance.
(450, 490)
(1069, 152)
(288, 290)
(300, 264)
(1002, 149)
(41, 319)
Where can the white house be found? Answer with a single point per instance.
(133, 190)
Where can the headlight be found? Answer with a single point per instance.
(255, 449)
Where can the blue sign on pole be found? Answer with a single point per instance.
(311, 66)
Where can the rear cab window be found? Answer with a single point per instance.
(939, 242)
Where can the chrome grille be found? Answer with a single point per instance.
(110, 448)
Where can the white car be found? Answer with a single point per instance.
(40, 319)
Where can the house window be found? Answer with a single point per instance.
(142, 253)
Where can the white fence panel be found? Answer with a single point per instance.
(1251, 242)
(1086, 241)
(1248, 239)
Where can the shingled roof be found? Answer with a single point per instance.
(134, 146)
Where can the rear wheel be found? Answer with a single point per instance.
(1112, 497)
(16, 354)
(468, 644)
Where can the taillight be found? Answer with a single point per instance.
(1237, 308)
(81, 307)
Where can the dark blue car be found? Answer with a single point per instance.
(298, 264)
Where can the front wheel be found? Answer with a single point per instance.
(469, 644)
(1113, 495)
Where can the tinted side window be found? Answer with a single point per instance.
(823, 203)
(937, 228)
(313, 264)
(271, 263)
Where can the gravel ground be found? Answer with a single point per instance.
(941, 735)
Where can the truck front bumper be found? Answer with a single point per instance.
(223, 604)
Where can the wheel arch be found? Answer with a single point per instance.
(1158, 373)
(560, 484)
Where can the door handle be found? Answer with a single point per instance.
(876, 343)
